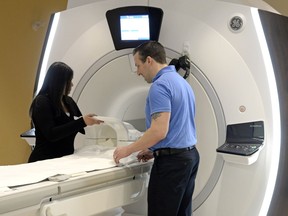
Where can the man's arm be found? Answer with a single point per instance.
(157, 131)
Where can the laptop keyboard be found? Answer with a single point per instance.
(239, 149)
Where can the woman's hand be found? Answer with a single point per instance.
(91, 119)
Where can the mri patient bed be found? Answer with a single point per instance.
(238, 63)
(87, 180)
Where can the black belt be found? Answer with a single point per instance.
(171, 151)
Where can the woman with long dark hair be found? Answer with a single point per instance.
(56, 116)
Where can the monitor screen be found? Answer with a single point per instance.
(134, 27)
(251, 132)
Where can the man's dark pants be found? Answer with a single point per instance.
(171, 184)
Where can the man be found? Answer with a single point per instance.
(170, 136)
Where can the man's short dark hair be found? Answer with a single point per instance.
(153, 49)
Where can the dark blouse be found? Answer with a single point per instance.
(55, 131)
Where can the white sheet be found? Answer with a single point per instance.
(88, 158)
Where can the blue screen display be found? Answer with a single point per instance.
(134, 27)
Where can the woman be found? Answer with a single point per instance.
(55, 115)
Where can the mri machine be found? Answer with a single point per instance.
(238, 55)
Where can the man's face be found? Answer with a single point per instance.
(143, 68)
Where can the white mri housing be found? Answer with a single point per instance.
(234, 78)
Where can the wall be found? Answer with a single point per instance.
(279, 5)
(20, 52)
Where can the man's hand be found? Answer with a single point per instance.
(145, 155)
(121, 152)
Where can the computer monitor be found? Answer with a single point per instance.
(134, 25)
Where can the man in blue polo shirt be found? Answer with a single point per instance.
(170, 136)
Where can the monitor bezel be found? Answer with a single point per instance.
(113, 19)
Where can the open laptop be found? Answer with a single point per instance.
(243, 139)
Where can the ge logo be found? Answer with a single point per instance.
(236, 23)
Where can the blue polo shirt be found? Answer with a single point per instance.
(170, 92)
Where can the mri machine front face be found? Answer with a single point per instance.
(233, 77)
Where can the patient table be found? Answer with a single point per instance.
(85, 183)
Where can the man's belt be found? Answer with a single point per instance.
(171, 151)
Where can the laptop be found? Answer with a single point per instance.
(243, 139)
(29, 133)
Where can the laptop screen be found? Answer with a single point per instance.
(250, 132)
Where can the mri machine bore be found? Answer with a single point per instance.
(238, 78)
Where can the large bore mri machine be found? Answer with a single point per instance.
(237, 55)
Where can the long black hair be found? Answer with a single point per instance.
(56, 84)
